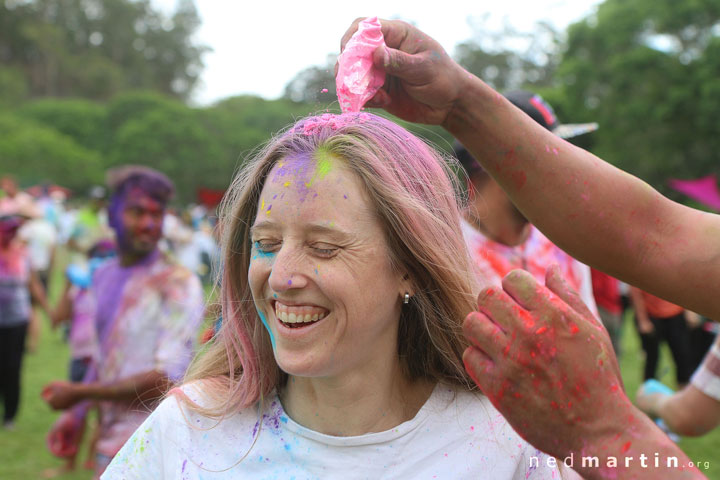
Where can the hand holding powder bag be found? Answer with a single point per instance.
(358, 79)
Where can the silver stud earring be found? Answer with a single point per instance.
(407, 298)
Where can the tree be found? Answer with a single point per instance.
(172, 140)
(13, 89)
(36, 153)
(133, 104)
(508, 59)
(647, 71)
(96, 48)
(81, 120)
(314, 84)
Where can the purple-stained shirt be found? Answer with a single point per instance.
(83, 335)
(147, 319)
(109, 283)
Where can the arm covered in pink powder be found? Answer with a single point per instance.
(358, 79)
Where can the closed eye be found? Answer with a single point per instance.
(324, 250)
(265, 246)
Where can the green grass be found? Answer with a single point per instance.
(23, 454)
(701, 449)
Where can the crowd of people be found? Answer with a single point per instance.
(373, 322)
(131, 302)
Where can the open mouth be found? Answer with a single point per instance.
(299, 316)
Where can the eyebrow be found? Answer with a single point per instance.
(310, 228)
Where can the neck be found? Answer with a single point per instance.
(355, 404)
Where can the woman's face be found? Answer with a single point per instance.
(320, 273)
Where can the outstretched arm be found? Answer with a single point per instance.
(143, 387)
(596, 212)
(694, 410)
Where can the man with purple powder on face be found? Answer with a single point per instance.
(147, 312)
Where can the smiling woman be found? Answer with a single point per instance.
(345, 283)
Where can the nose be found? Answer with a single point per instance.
(288, 269)
(149, 221)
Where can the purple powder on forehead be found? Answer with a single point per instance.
(297, 172)
(148, 182)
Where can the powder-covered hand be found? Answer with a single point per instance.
(64, 437)
(547, 364)
(422, 82)
(61, 395)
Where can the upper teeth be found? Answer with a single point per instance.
(298, 314)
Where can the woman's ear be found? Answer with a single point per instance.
(406, 286)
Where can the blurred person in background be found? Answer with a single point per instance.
(147, 314)
(661, 321)
(15, 201)
(703, 333)
(18, 284)
(76, 308)
(90, 226)
(41, 237)
(196, 248)
(497, 235)
(606, 290)
(695, 409)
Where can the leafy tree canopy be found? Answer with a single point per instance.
(96, 48)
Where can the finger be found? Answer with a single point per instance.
(525, 290)
(503, 310)
(480, 368)
(484, 334)
(395, 32)
(380, 100)
(555, 281)
(46, 394)
(350, 32)
(403, 65)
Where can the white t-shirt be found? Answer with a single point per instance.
(41, 237)
(452, 437)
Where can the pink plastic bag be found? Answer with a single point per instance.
(358, 80)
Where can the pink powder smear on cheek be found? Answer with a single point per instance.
(358, 80)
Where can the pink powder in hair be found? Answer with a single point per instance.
(358, 80)
(315, 125)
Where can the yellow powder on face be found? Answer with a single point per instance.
(323, 165)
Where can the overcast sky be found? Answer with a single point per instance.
(258, 46)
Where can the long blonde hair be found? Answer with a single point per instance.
(416, 199)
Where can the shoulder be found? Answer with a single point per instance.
(183, 406)
(174, 273)
(105, 268)
(176, 434)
